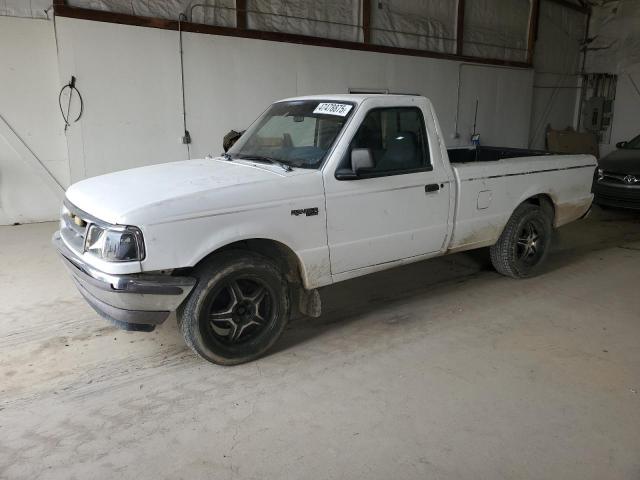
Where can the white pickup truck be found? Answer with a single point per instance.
(318, 190)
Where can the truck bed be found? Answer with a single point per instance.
(488, 189)
(481, 153)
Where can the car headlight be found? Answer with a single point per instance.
(114, 244)
(600, 174)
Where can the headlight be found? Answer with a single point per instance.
(114, 244)
(600, 174)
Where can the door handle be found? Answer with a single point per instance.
(432, 187)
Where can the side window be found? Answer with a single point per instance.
(397, 140)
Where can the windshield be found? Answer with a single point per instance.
(297, 133)
(633, 144)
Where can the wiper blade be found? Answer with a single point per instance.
(261, 158)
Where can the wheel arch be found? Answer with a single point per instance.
(544, 201)
(503, 253)
(282, 254)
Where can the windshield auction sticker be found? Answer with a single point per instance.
(340, 109)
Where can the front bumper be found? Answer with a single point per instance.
(616, 195)
(132, 302)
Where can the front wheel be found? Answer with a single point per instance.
(238, 309)
(524, 243)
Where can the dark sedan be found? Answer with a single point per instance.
(617, 180)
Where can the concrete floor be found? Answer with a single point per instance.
(442, 370)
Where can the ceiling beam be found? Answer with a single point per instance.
(534, 16)
(241, 14)
(366, 21)
(460, 27)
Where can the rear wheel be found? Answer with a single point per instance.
(238, 310)
(524, 243)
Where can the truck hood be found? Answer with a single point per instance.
(177, 190)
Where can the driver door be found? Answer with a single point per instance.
(396, 210)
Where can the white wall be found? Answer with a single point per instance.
(504, 105)
(29, 107)
(617, 50)
(130, 79)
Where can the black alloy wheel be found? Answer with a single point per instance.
(528, 245)
(524, 243)
(238, 309)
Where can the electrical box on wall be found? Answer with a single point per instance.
(598, 94)
(592, 114)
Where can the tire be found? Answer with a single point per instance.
(238, 309)
(520, 251)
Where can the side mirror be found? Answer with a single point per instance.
(621, 144)
(230, 138)
(361, 159)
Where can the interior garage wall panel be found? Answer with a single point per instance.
(557, 61)
(29, 105)
(616, 49)
(259, 72)
(336, 19)
(497, 98)
(129, 78)
(24, 8)
(496, 29)
(131, 81)
(415, 24)
(209, 12)
(493, 28)
(626, 117)
(561, 31)
(616, 28)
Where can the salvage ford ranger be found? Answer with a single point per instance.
(318, 190)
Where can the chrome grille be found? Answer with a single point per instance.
(618, 178)
(73, 227)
